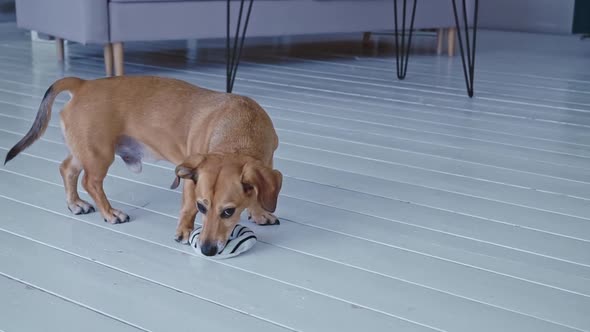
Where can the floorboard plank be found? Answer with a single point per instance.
(21, 300)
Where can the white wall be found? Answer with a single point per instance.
(553, 16)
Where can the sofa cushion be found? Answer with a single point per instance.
(134, 21)
(140, 1)
(161, 0)
(82, 21)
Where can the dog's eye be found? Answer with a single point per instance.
(228, 213)
(201, 208)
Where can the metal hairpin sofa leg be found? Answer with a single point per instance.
(233, 54)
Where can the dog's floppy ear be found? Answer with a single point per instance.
(188, 170)
(264, 182)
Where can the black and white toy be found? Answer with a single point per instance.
(240, 240)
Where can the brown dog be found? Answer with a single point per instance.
(222, 143)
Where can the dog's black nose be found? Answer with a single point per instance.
(209, 249)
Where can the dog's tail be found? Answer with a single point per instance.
(43, 115)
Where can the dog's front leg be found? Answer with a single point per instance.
(262, 217)
(188, 212)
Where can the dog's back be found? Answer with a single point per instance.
(160, 112)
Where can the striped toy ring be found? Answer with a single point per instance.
(240, 240)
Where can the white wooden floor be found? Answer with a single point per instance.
(406, 206)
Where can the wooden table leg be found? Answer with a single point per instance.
(452, 36)
(440, 34)
(118, 57)
(108, 59)
(59, 44)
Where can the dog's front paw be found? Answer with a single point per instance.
(116, 217)
(80, 207)
(264, 219)
(182, 234)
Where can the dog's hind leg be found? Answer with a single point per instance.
(70, 170)
(95, 171)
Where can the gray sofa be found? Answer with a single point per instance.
(114, 22)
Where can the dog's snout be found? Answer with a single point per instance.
(209, 249)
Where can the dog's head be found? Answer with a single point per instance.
(225, 185)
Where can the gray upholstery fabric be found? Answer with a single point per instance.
(206, 19)
(160, 0)
(101, 21)
(135, 21)
(225, 0)
(83, 21)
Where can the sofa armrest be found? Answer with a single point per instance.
(82, 21)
